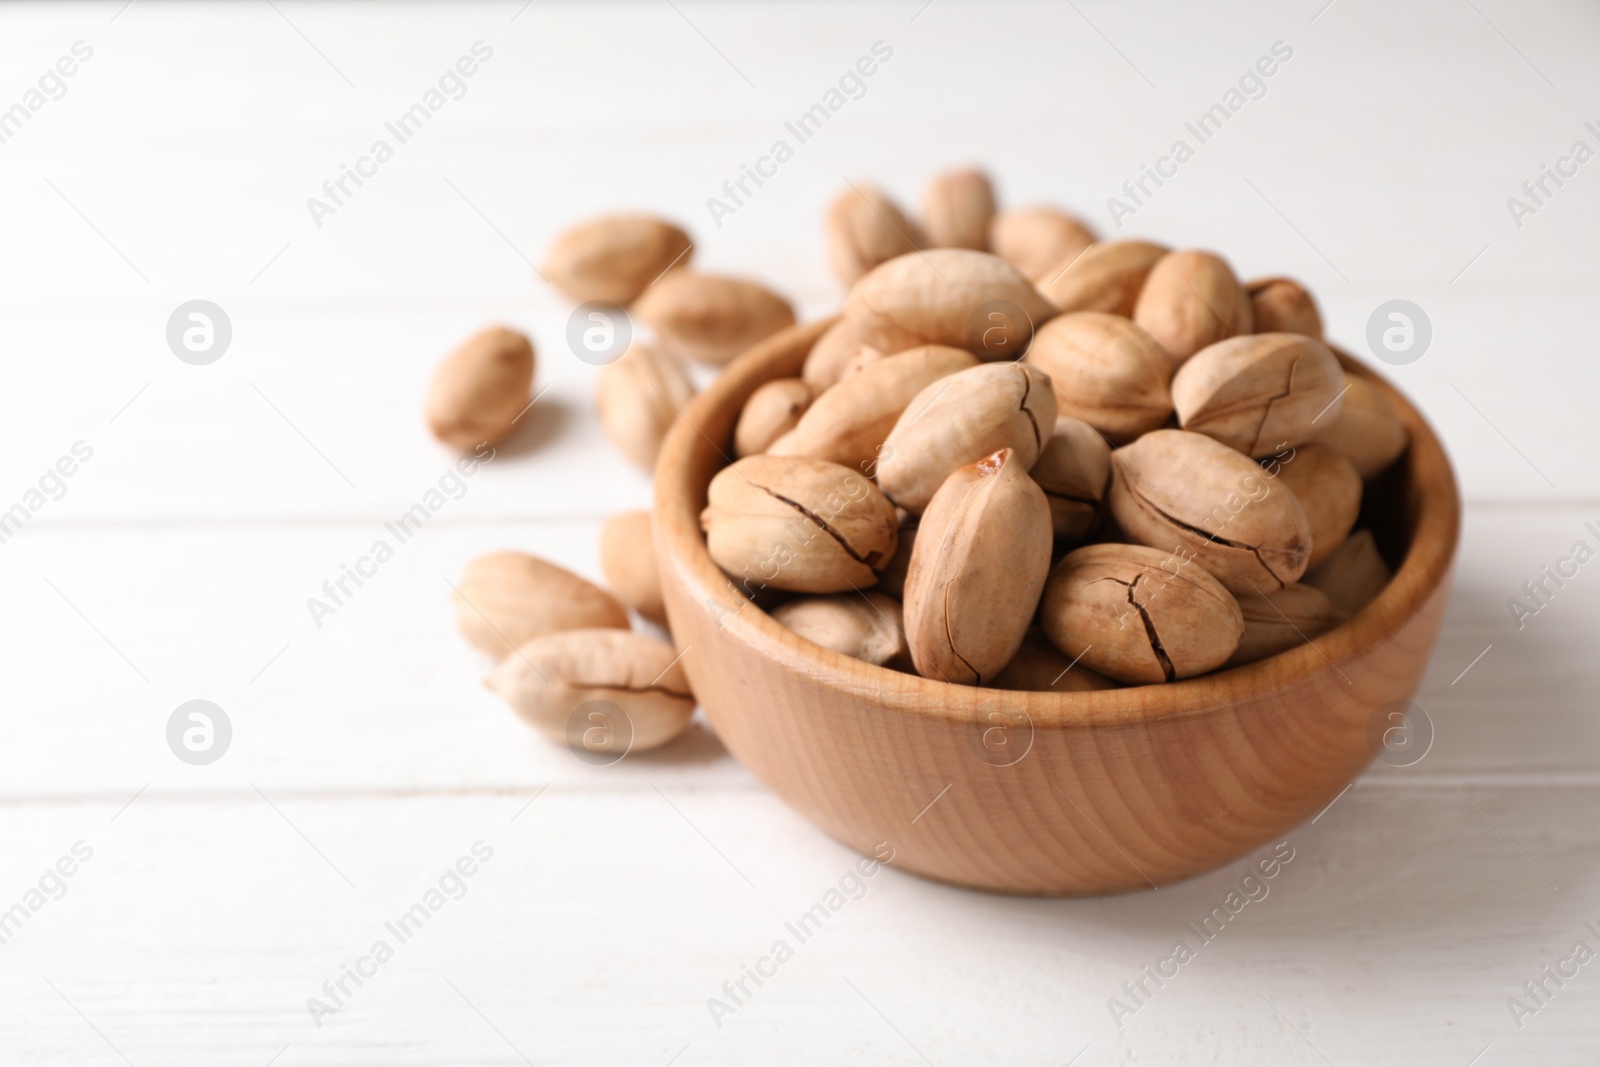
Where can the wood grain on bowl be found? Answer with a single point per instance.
(1046, 793)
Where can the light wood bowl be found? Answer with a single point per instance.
(1047, 793)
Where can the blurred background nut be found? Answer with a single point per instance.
(1041, 667)
(982, 553)
(1138, 614)
(1365, 428)
(640, 395)
(628, 561)
(1190, 300)
(865, 357)
(1073, 469)
(1038, 241)
(1328, 488)
(772, 411)
(708, 318)
(1106, 371)
(804, 525)
(1105, 277)
(930, 298)
(1354, 575)
(614, 257)
(1276, 622)
(549, 677)
(506, 598)
(957, 207)
(849, 423)
(1196, 498)
(479, 389)
(1259, 393)
(1282, 305)
(865, 227)
(959, 420)
(865, 626)
(830, 354)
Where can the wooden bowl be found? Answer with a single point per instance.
(1047, 793)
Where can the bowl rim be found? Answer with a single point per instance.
(680, 545)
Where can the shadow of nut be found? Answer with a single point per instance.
(1400, 733)
(1002, 735)
(599, 733)
(999, 329)
(598, 332)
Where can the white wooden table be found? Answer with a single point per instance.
(175, 164)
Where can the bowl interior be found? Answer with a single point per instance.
(1412, 509)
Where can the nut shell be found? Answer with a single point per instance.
(960, 419)
(1041, 667)
(981, 557)
(947, 296)
(1365, 429)
(1106, 371)
(506, 598)
(957, 207)
(639, 397)
(628, 560)
(804, 525)
(1139, 615)
(1328, 488)
(481, 388)
(1190, 300)
(1283, 305)
(1073, 469)
(1354, 575)
(1186, 494)
(836, 349)
(708, 318)
(772, 411)
(865, 227)
(1038, 240)
(1283, 620)
(849, 423)
(551, 677)
(865, 357)
(864, 626)
(613, 258)
(1104, 277)
(1261, 392)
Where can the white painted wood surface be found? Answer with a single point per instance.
(366, 758)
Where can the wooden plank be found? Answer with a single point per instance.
(199, 929)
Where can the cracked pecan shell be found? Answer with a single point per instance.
(1260, 393)
(1139, 614)
(959, 420)
(801, 524)
(1174, 490)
